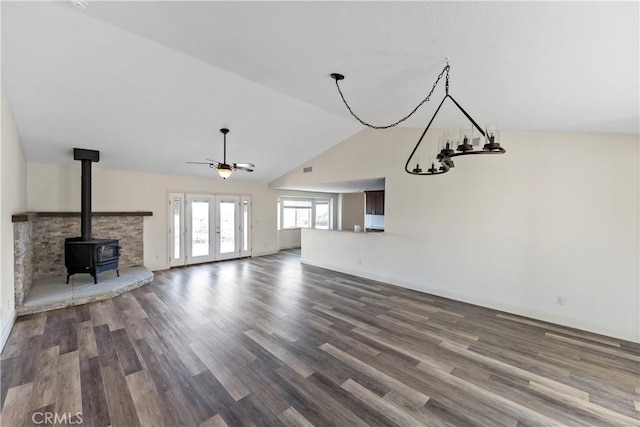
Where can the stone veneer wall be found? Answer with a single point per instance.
(49, 234)
(39, 245)
(23, 259)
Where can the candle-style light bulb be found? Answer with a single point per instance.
(492, 138)
(465, 145)
(447, 150)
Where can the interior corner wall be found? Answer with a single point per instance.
(291, 237)
(13, 189)
(352, 210)
(553, 217)
(57, 188)
(54, 187)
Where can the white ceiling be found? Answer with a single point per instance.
(150, 83)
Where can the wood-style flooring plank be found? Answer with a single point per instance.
(126, 353)
(281, 353)
(122, 411)
(68, 384)
(292, 418)
(407, 392)
(86, 340)
(151, 408)
(44, 390)
(236, 388)
(268, 341)
(382, 406)
(17, 406)
(95, 411)
(215, 421)
(330, 409)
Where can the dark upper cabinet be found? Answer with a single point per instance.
(374, 204)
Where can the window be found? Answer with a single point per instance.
(296, 213)
(322, 214)
(304, 213)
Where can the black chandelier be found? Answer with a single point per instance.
(463, 146)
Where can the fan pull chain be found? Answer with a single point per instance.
(338, 77)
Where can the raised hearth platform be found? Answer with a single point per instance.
(53, 293)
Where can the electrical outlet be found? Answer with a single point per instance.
(359, 261)
(561, 300)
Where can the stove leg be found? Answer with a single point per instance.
(95, 279)
(117, 272)
(68, 275)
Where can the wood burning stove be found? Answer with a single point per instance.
(84, 254)
(92, 256)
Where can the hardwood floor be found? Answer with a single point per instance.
(267, 341)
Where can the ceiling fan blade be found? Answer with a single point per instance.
(242, 168)
(217, 162)
(245, 165)
(212, 164)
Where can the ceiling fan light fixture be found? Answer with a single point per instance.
(225, 171)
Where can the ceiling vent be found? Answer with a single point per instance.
(307, 169)
(80, 4)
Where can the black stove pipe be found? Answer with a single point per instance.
(85, 201)
(86, 157)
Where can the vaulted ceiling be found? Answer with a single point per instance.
(150, 83)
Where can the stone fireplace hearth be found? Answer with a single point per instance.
(39, 245)
(53, 293)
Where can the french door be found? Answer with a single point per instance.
(207, 227)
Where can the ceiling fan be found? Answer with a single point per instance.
(225, 169)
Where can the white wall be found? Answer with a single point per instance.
(289, 238)
(12, 200)
(556, 216)
(352, 210)
(57, 188)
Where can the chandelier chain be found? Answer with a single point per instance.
(444, 71)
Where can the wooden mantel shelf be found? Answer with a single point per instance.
(29, 216)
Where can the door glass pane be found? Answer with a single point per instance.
(322, 215)
(199, 228)
(177, 229)
(279, 221)
(227, 227)
(245, 226)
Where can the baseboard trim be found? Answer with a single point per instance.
(6, 329)
(283, 248)
(158, 267)
(263, 253)
(494, 305)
